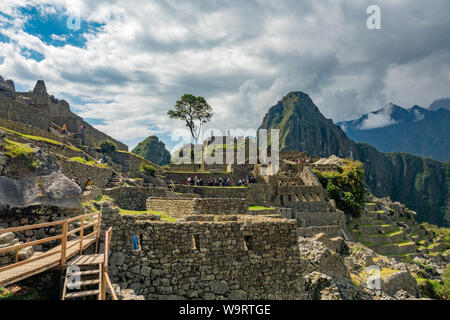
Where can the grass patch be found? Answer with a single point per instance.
(19, 294)
(405, 243)
(89, 162)
(18, 150)
(38, 138)
(260, 208)
(393, 233)
(164, 216)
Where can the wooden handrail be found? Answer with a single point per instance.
(29, 244)
(45, 255)
(61, 252)
(110, 287)
(82, 216)
(33, 226)
(47, 224)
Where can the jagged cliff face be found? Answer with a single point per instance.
(153, 150)
(304, 128)
(420, 183)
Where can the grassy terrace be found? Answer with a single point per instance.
(164, 216)
(38, 138)
(89, 162)
(89, 206)
(260, 208)
(222, 187)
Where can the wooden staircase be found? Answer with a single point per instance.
(87, 275)
(88, 281)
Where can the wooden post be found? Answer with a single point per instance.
(17, 255)
(81, 235)
(98, 228)
(103, 284)
(64, 243)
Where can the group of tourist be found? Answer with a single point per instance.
(196, 181)
(88, 183)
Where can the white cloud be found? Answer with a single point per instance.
(58, 38)
(380, 119)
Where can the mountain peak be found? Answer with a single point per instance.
(440, 104)
(154, 150)
(303, 127)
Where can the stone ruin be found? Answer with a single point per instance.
(38, 109)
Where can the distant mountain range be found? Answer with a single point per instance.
(423, 184)
(420, 131)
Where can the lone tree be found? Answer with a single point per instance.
(192, 109)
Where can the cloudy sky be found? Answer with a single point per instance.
(129, 61)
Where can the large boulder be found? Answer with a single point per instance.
(400, 281)
(39, 195)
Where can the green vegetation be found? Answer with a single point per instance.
(148, 169)
(443, 233)
(107, 146)
(24, 293)
(190, 109)
(153, 150)
(18, 150)
(89, 162)
(38, 138)
(23, 152)
(164, 216)
(345, 187)
(434, 289)
(260, 208)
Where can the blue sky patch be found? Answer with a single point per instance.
(52, 28)
(32, 54)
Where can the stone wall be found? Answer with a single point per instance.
(178, 207)
(205, 260)
(308, 219)
(213, 192)
(331, 231)
(77, 170)
(133, 198)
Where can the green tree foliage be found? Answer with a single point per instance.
(148, 169)
(345, 187)
(107, 146)
(444, 289)
(194, 111)
(191, 109)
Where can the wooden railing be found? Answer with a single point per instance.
(63, 237)
(105, 278)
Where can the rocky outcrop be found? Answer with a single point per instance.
(39, 195)
(153, 150)
(402, 280)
